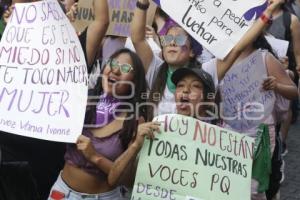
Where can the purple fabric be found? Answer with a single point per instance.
(157, 2)
(196, 46)
(109, 147)
(105, 110)
(168, 24)
(256, 11)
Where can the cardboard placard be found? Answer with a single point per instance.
(194, 160)
(215, 23)
(43, 74)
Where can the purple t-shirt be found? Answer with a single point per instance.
(109, 147)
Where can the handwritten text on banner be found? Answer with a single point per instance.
(245, 104)
(43, 76)
(193, 160)
(215, 23)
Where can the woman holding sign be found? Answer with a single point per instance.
(112, 124)
(110, 119)
(179, 49)
(178, 53)
(275, 85)
(112, 127)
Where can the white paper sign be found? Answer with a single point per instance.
(43, 75)
(217, 24)
(279, 46)
(244, 103)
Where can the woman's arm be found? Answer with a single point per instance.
(96, 30)
(85, 146)
(295, 30)
(278, 80)
(138, 35)
(123, 167)
(224, 65)
(124, 164)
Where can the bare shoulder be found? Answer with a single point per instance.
(273, 64)
(294, 21)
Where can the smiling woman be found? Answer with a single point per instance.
(110, 129)
(46, 164)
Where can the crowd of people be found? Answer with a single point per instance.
(177, 76)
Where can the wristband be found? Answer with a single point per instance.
(142, 6)
(266, 19)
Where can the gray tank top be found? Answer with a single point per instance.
(296, 7)
(277, 28)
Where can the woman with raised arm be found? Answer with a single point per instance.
(286, 26)
(179, 49)
(196, 83)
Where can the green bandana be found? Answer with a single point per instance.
(171, 86)
(261, 168)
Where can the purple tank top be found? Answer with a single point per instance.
(110, 147)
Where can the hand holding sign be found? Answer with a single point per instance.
(71, 14)
(7, 13)
(217, 23)
(270, 83)
(146, 130)
(42, 74)
(194, 160)
(85, 145)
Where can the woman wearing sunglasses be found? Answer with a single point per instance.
(179, 49)
(193, 86)
(110, 123)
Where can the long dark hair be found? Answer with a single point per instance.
(160, 13)
(140, 87)
(262, 43)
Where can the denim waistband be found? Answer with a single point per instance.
(113, 194)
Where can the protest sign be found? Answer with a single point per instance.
(280, 47)
(121, 13)
(245, 104)
(193, 160)
(120, 16)
(215, 23)
(43, 75)
(84, 16)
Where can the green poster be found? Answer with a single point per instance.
(193, 160)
